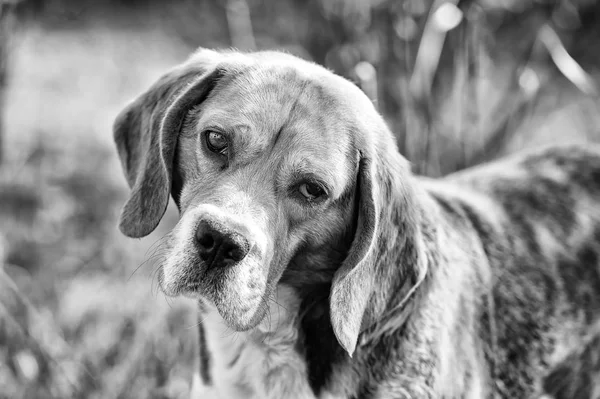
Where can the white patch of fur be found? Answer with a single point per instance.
(178, 254)
(268, 364)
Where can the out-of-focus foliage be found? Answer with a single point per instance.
(460, 82)
(6, 27)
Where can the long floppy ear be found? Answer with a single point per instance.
(146, 134)
(353, 282)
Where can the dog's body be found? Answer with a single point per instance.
(518, 240)
(374, 283)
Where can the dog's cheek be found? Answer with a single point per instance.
(177, 255)
(325, 227)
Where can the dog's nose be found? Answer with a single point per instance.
(219, 246)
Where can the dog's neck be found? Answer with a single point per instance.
(397, 271)
(258, 363)
(403, 250)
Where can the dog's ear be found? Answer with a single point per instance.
(146, 134)
(386, 207)
(353, 282)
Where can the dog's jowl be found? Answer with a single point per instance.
(323, 268)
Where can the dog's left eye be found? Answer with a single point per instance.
(311, 191)
(217, 142)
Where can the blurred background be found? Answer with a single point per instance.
(460, 83)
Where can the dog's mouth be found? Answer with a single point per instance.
(242, 318)
(239, 292)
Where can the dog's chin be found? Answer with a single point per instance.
(237, 313)
(240, 318)
(237, 293)
(236, 318)
(244, 322)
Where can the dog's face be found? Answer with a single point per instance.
(267, 157)
(263, 173)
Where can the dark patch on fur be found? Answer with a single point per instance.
(382, 360)
(581, 164)
(177, 185)
(318, 342)
(205, 361)
(237, 357)
(581, 279)
(525, 303)
(531, 201)
(542, 197)
(364, 390)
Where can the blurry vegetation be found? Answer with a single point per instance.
(460, 82)
(6, 30)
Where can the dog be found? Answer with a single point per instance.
(323, 268)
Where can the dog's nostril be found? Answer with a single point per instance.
(235, 248)
(236, 253)
(206, 241)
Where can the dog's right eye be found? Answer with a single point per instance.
(311, 191)
(216, 142)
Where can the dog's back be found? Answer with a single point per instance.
(537, 216)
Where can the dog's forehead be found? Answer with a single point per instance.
(298, 107)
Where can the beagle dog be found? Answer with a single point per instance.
(324, 269)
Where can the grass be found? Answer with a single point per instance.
(82, 318)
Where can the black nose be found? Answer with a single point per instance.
(220, 246)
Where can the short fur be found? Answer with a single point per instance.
(483, 284)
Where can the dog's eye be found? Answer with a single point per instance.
(216, 142)
(311, 191)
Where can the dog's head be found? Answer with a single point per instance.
(267, 157)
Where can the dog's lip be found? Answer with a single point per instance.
(191, 287)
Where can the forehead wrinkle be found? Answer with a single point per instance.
(260, 100)
(322, 112)
(304, 111)
(243, 112)
(316, 140)
(297, 103)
